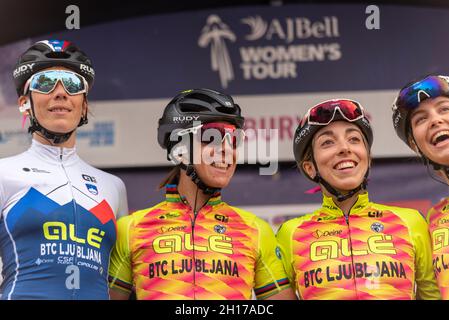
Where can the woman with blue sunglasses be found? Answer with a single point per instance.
(421, 120)
(57, 213)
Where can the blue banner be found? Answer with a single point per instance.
(260, 50)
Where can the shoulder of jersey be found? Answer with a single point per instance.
(406, 214)
(10, 163)
(439, 205)
(99, 172)
(136, 216)
(395, 209)
(246, 215)
(294, 222)
(15, 159)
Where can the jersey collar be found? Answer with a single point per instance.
(53, 154)
(330, 207)
(172, 195)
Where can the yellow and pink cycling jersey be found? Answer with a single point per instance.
(375, 252)
(165, 252)
(438, 219)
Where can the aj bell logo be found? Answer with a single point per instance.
(214, 34)
(274, 61)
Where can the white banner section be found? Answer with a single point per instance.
(124, 133)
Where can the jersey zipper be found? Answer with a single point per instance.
(75, 220)
(195, 214)
(352, 255)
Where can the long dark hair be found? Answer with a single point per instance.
(172, 177)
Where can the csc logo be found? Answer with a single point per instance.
(332, 249)
(175, 243)
(55, 230)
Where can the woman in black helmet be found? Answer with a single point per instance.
(193, 245)
(421, 120)
(351, 248)
(57, 224)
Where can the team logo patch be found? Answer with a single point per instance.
(92, 189)
(219, 229)
(327, 233)
(221, 218)
(377, 227)
(278, 253)
(169, 215)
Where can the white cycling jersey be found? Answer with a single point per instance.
(57, 225)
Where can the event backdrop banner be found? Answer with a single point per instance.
(275, 61)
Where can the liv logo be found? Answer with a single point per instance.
(214, 35)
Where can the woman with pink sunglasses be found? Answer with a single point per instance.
(351, 248)
(193, 245)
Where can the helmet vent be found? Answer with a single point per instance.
(201, 97)
(27, 58)
(58, 55)
(188, 107)
(228, 110)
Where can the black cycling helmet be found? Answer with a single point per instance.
(51, 53)
(203, 105)
(325, 113)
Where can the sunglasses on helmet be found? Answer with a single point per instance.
(323, 113)
(430, 87)
(45, 82)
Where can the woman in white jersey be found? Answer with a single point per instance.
(58, 214)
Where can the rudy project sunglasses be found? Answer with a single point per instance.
(324, 112)
(209, 131)
(45, 82)
(429, 87)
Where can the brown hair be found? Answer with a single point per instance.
(308, 154)
(172, 177)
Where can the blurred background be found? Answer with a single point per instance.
(276, 58)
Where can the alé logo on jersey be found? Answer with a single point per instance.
(337, 248)
(287, 38)
(179, 242)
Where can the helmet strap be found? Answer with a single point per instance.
(340, 196)
(191, 172)
(427, 161)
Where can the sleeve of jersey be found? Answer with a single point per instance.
(2, 197)
(284, 238)
(120, 270)
(270, 276)
(123, 204)
(427, 288)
